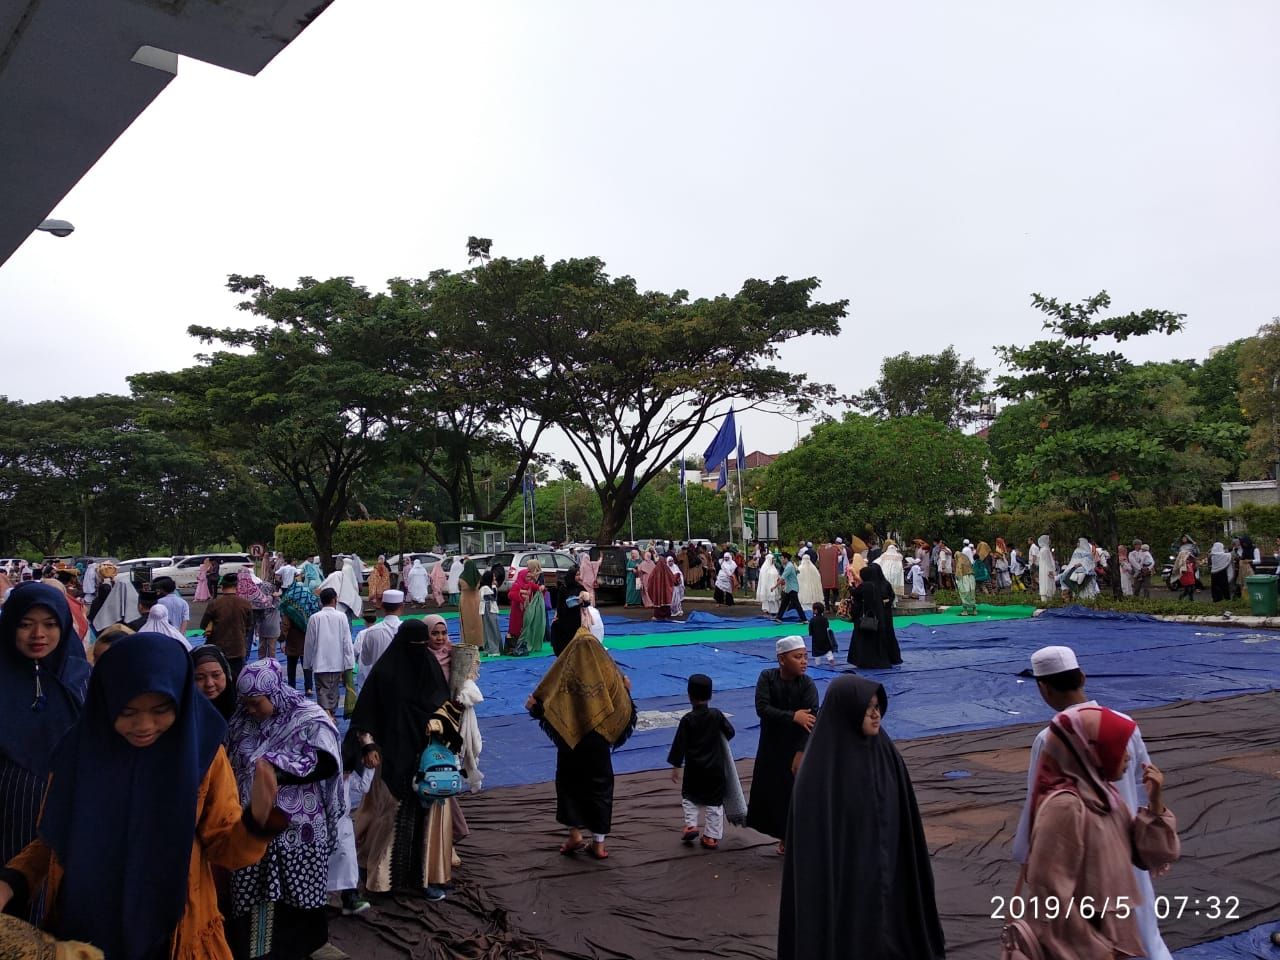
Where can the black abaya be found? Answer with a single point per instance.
(873, 649)
(781, 738)
(856, 880)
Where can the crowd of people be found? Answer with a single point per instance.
(258, 812)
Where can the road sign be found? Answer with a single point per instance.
(768, 528)
(257, 551)
(749, 516)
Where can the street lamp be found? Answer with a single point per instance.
(59, 228)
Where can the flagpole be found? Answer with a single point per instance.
(688, 532)
(741, 508)
(728, 510)
(564, 487)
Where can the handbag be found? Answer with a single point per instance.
(439, 774)
(1017, 940)
(867, 623)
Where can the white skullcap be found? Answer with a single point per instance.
(787, 644)
(839, 540)
(392, 597)
(1050, 660)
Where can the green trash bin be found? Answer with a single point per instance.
(1262, 595)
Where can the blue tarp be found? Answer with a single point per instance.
(1253, 944)
(955, 678)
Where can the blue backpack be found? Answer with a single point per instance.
(439, 774)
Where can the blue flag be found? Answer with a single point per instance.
(724, 475)
(742, 454)
(722, 445)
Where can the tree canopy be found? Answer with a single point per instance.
(940, 386)
(1104, 434)
(904, 473)
(631, 376)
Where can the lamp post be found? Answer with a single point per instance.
(59, 228)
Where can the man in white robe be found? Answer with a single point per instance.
(1055, 668)
(372, 641)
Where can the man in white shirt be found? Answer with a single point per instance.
(178, 609)
(286, 573)
(1061, 684)
(90, 588)
(328, 651)
(373, 640)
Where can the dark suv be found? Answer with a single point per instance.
(611, 579)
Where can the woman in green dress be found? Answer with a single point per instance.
(634, 597)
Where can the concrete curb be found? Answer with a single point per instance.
(1257, 623)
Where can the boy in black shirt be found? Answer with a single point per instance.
(697, 747)
(822, 639)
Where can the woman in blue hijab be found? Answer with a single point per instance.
(43, 676)
(141, 803)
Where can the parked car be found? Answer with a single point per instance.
(555, 563)
(139, 569)
(184, 572)
(611, 578)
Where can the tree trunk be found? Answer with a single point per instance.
(614, 508)
(324, 543)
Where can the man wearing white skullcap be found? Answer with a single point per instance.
(1061, 683)
(787, 704)
(373, 640)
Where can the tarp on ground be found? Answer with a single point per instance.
(953, 679)
(517, 898)
(1253, 944)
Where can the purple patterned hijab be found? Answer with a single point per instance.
(291, 740)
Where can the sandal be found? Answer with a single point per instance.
(570, 847)
(710, 844)
(598, 851)
(690, 834)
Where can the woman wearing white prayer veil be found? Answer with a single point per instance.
(767, 589)
(890, 561)
(1080, 575)
(158, 622)
(1048, 568)
(810, 583)
(417, 582)
(347, 585)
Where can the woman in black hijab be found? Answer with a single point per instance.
(568, 619)
(873, 649)
(213, 678)
(856, 879)
(404, 702)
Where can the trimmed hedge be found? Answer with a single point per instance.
(368, 538)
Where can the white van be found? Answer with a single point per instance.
(185, 571)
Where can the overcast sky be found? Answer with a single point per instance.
(932, 162)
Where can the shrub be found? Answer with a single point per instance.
(368, 538)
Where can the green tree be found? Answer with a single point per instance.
(1017, 428)
(307, 393)
(630, 376)
(1216, 384)
(1259, 360)
(1103, 439)
(905, 474)
(940, 386)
